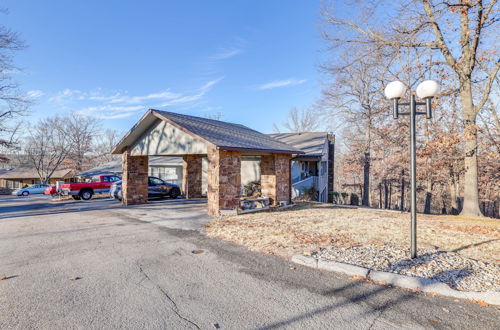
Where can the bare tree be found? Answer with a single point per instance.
(305, 120)
(12, 102)
(461, 32)
(47, 146)
(81, 131)
(354, 94)
(104, 144)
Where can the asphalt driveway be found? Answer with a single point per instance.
(98, 265)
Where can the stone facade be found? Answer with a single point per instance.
(192, 171)
(224, 180)
(134, 179)
(275, 177)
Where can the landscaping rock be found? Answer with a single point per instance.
(455, 270)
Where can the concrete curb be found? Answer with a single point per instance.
(398, 280)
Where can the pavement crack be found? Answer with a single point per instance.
(375, 319)
(175, 308)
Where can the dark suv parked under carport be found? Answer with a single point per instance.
(156, 188)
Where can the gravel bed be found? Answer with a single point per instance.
(451, 268)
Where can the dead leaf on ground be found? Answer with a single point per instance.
(75, 278)
(431, 293)
(482, 303)
(7, 277)
(357, 278)
(382, 282)
(446, 310)
(197, 251)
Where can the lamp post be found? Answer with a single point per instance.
(425, 91)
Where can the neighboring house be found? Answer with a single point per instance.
(315, 166)
(14, 178)
(166, 168)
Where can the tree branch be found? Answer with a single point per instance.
(487, 90)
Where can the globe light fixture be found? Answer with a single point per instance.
(395, 90)
(427, 88)
(425, 91)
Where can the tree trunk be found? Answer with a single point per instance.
(402, 203)
(453, 187)
(471, 189)
(428, 198)
(386, 194)
(366, 180)
(380, 195)
(390, 194)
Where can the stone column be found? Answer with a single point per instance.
(192, 176)
(275, 177)
(224, 181)
(268, 178)
(134, 179)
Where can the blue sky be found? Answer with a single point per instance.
(249, 60)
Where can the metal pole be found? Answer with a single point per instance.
(413, 169)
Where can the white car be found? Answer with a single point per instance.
(33, 189)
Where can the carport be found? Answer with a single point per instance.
(161, 133)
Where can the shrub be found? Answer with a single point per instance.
(354, 199)
(310, 194)
(335, 197)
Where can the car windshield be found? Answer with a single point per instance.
(155, 181)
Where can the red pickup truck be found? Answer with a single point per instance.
(98, 184)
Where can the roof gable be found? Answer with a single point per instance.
(222, 135)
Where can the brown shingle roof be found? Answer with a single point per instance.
(227, 135)
(311, 143)
(27, 172)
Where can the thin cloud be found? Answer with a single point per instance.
(109, 111)
(163, 95)
(34, 94)
(120, 105)
(282, 83)
(195, 97)
(225, 54)
(64, 95)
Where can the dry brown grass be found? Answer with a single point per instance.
(308, 227)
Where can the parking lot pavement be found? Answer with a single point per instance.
(172, 213)
(99, 265)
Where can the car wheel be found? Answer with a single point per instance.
(76, 197)
(86, 194)
(175, 192)
(25, 193)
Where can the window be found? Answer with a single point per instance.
(105, 179)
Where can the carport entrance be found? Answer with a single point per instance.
(161, 133)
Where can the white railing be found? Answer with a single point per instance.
(299, 186)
